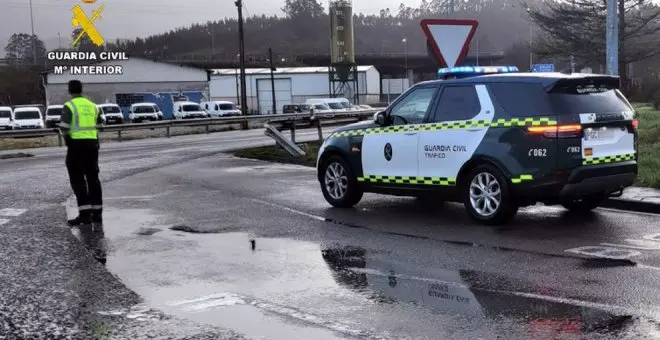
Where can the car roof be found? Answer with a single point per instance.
(546, 79)
(107, 104)
(55, 107)
(25, 109)
(5, 108)
(186, 103)
(143, 104)
(218, 102)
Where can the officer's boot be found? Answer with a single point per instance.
(84, 217)
(97, 216)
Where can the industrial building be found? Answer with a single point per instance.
(142, 80)
(292, 85)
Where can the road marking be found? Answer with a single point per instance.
(3, 221)
(230, 299)
(11, 212)
(620, 251)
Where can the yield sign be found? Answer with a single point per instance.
(449, 38)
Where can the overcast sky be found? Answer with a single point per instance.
(131, 18)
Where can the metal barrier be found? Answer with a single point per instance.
(287, 120)
(288, 145)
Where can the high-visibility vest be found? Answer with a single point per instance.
(83, 118)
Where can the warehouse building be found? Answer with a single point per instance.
(142, 80)
(292, 85)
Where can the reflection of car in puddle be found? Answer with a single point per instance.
(461, 292)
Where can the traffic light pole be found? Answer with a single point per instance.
(272, 79)
(241, 49)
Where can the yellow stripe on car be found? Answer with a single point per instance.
(407, 180)
(608, 159)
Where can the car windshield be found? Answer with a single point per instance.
(227, 107)
(305, 107)
(144, 109)
(5, 114)
(27, 115)
(335, 106)
(111, 109)
(54, 111)
(321, 107)
(191, 107)
(346, 105)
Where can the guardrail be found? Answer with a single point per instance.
(287, 120)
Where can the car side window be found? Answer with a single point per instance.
(457, 103)
(412, 108)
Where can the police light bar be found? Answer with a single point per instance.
(472, 71)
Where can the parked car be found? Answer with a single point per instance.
(296, 108)
(366, 107)
(53, 114)
(219, 108)
(28, 118)
(6, 118)
(334, 104)
(112, 113)
(186, 110)
(144, 111)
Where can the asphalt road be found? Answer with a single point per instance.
(203, 238)
(50, 286)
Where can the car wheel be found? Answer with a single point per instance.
(584, 204)
(338, 184)
(486, 196)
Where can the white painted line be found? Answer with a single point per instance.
(12, 212)
(230, 299)
(629, 212)
(318, 218)
(604, 252)
(4, 221)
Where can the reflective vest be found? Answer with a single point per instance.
(83, 118)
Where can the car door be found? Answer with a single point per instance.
(392, 150)
(459, 121)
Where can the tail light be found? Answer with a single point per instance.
(557, 131)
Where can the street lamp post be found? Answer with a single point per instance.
(405, 57)
(238, 98)
(34, 41)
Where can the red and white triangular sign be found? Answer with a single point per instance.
(450, 38)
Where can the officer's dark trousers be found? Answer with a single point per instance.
(82, 163)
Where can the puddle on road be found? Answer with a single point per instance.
(295, 289)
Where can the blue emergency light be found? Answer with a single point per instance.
(473, 71)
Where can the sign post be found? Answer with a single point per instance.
(449, 39)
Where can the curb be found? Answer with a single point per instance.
(632, 205)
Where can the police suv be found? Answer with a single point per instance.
(491, 138)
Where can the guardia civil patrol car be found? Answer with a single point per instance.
(492, 138)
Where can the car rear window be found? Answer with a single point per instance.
(227, 107)
(54, 112)
(27, 115)
(191, 107)
(111, 109)
(573, 97)
(144, 109)
(5, 114)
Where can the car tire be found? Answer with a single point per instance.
(584, 204)
(487, 197)
(336, 173)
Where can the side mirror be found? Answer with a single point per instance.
(380, 118)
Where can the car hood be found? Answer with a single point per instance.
(27, 121)
(358, 126)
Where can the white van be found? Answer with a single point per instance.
(220, 108)
(335, 104)
(184, 110)
(28, 118)
(144, 111)
(53, 114)
(6, 118)
(111, 113)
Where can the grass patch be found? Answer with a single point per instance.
(649, 149)
(277, 154)
(649, 146)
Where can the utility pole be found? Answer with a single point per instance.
(612, 38)
(34, 40)
(272, 78)
(241, 49)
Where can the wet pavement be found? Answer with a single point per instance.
(253, 247)
(51, 287)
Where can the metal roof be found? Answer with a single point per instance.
(281, 70)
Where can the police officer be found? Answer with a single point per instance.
(78, 124)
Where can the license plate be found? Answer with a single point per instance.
(598, 134)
